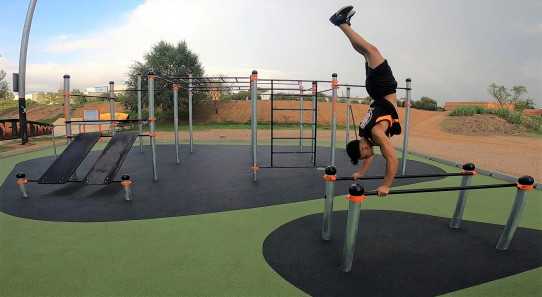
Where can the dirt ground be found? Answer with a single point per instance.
(487, 141)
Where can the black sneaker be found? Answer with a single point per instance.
(341, 16)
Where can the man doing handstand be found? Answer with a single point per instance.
(381, 121)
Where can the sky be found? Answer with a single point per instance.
(452, 50)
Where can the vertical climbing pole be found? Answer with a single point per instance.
(300, 115)
(140, 125)
(190, 76)
(68, 114)
(254, 122)
(348, 111)
(112, 107)
(334, 87)
(176, 120)
(152, 121)
(314, 120)
(407, 124)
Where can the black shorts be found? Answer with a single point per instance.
(380, 82)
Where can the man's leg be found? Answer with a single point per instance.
(369, 51)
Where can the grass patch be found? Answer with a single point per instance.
(533, 124)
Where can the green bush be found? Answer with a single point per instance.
(532, 123)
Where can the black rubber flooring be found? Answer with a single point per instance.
(211, 179)
(397, 254)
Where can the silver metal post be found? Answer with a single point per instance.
(152, 120)
(462, 198)
(126, 183)
(525, 185)
(334, 87)
(330, 178)
(68, 114)
(139, 116)
(22, 71)
(407, 124)
(190, 111)
(352, 223)
(300, 116)
(254, 122)
(21, 181)
(176, 119)
(314, 120)
(112, 107)
(348, 109)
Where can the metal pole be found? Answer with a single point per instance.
(176, 119)
(190, 74)
(314, 121)
(112, 107)
(22, 71)
(139, 112)
(254, 121)
(300, 116)
(348, 108)
(152, 119)
(352, 223)
(525, 185)
(126, 183)
(407, 124)
(462, 198)
(330, 178)
(334, 87)
(68, 114)
(21, 181)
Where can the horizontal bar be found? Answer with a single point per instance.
(293, 138)
(293, 124)
(293, 152)
(428, 190)
(409, 176)
(294, 109)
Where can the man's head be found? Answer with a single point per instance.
(359, 150)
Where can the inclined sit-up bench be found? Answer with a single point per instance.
(103, 171)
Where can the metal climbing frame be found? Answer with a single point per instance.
(301, 123)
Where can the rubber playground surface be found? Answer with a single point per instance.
(206, 229)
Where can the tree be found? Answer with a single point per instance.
(5, 93)
(425, 103)
(503, 96)
(165, 60)
(523, 104)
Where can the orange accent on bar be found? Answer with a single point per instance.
(22, 182)
(139, 75)
(410, 89)
(189, 91)
(152, 119)
(255, 168)
(524, 187)
(334, 84)
(467, 171)
(355, 198)
(175, 87)
(152, 135)
(408, 105)
(113, 124)
(254, 77)
(190, 74)
(67, 95)
(151, 76)
(330, 177)
(126, 183)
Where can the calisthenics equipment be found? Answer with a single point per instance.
(103, 171)
(357, 194)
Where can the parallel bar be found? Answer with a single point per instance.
(428, 190)
(410, 176)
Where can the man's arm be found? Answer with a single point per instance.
(388, 152)
(365, 163)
